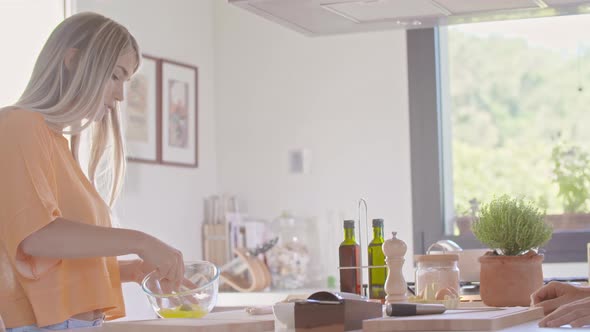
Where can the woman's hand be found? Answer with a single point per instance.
(556, 294)
(134, 270)
(576, 314)
(166, 260)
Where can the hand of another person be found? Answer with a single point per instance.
(166, 260)
(576, 314)
(556, 294)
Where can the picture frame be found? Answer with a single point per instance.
(179, 114)
(142, 116)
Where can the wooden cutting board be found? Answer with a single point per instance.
(230, 321)
(456, 320)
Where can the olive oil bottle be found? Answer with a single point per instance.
(350, 256)
(377, 276)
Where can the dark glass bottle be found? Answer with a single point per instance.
(377, 276)
(350, 256)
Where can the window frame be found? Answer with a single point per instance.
(431, 160)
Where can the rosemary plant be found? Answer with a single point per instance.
(511, 226)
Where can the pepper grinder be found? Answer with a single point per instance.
(394, 250)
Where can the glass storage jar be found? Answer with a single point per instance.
(288, 261)
(437, 277)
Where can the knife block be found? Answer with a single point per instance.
(216, 243)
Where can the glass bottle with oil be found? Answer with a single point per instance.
(350, 256)
(377, 276)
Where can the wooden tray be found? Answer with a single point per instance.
(456, 320)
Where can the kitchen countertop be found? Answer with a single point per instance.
(239, 320)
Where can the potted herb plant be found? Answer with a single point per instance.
(514, 229)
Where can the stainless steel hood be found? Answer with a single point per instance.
(327, 17)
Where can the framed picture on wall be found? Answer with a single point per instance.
(142, 109)
(179, 114)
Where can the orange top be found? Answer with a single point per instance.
(39, 182)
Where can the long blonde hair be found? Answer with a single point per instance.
(70, 100)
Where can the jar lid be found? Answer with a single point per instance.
(437, 258)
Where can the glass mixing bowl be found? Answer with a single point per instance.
(196, 297)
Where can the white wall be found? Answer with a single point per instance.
(17, 64)
(162, 200)
(345, 98)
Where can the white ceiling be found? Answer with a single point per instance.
(324, 17)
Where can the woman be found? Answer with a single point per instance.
(58, 265)
(563, 304)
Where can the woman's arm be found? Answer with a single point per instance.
(134, 270)
(64, 238)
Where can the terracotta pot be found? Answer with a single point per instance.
(509, 281)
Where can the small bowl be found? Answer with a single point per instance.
(194, 301)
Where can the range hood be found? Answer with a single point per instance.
(327, 17)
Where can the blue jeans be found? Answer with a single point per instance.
(68, 324)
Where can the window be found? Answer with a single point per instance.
(25, 25)
(506, 114)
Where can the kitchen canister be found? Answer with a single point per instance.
(289, 259)
(437, 277)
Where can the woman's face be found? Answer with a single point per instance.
(114, 89)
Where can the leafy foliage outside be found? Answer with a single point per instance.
(511, 226)
(511, 104)
(571, 166)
